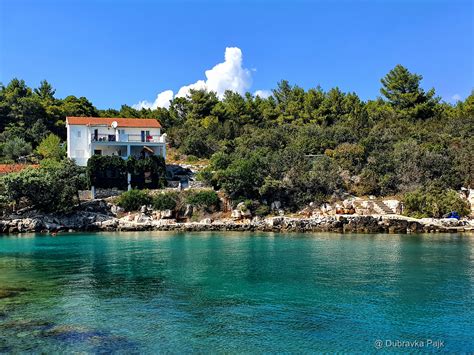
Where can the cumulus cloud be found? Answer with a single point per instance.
(162, 100)
(228, 75)
(262, 93)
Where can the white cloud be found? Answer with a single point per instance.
(262, 93)
(228, 75)
(456, 98)
(162, 100)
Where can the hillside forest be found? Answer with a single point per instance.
(296, 146)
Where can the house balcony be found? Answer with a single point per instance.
(112, 139)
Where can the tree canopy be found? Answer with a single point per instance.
(296, 145)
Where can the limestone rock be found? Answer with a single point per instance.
(236, 214)
(188, 212)
(246, 213)
(116, 209)
(142, 218)
(276, 205)
(166, 214)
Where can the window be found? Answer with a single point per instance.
(97, 152)
(78, 134)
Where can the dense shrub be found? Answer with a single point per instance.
(165, 201)
(111, 171)
(51, 188)
(153, 166)
(206, 199)
(107, 171)
(134, 199)
(434, 202)
(14, 148)
(262, 210)
(192, 159)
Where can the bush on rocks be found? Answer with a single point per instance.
(165, 201)
(206, 199)
(262, 210)
(434, 202)
(134, 199)
(53, 187)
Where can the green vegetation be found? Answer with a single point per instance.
(434, 202)
(153, 166)
(206, 199)
(111, 171)
(170, 200)
(133, 200)
(107, 171)
(165, 201)
(53, 187)
(295, 146)
(51, 148)
(15, 148)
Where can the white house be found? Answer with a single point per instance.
(123, 137)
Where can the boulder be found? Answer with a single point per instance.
(347, 203)
(116, 209)
(394, 205)
(164, 222)
(246, 214)
(276, 205)
(206, 221)
(142, 218)
(109, 225)
(449, 222)
(236, 214)
(30, 225)
(188, 212)
(166, 214)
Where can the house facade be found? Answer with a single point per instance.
(123, 137)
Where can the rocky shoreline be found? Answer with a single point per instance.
(99, 217)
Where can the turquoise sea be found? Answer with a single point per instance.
(236, 293)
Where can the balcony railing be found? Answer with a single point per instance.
(126, 138)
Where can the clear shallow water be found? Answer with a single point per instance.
(149, 292)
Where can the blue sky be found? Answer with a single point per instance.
(121, 52)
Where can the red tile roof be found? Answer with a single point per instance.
(14, 168)
(122, 122)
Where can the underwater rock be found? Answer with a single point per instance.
(11, 291)
(103, 341)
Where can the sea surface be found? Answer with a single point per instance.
(236, 293)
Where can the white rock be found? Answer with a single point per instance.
(142, 218)
(236, 214)
(394, 205)
(276, 205)
(246, 213)
(347, 203)
(188, 211)
(166, 214)
(116, 209)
